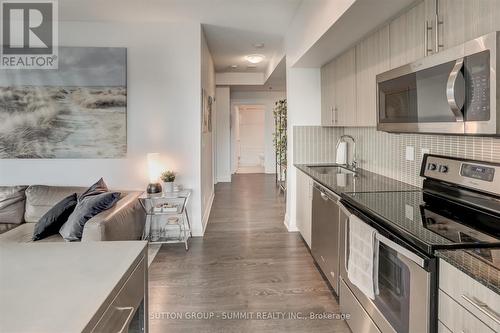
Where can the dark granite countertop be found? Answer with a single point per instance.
(363, 181)
(483, 265)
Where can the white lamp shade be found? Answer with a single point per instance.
(154, 167)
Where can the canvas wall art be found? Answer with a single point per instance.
(204, 111)
(76, 111)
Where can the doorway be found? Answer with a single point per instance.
(250, 139)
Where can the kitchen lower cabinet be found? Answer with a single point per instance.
(325, 234)
(304, 205)
(465, 305)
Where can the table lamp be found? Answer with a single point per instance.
(154, 167)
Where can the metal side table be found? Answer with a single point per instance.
(167, 219)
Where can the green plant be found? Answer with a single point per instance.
(168, 176)
(280, 135)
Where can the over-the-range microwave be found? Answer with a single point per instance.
(450, 92)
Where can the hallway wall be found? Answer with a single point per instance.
(163, 110)
(223, 134)
(207, 138)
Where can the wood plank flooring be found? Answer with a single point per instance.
(247, 264)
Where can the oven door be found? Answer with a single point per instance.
(403, 301)
(451, 92)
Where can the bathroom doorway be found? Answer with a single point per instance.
(250, 139)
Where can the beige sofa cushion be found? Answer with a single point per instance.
(12, 200)
(24, 234)
(41, 198)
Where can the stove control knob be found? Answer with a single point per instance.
(431, 167)
(443, 168)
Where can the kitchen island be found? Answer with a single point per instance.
(73, 287)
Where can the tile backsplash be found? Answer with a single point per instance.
(385, 153)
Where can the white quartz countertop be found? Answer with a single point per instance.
(59, 287)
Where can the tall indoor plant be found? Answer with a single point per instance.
(280, 140)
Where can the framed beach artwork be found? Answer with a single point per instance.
(76, 111)
(210, 113)
(204, 112)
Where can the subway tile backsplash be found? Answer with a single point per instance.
(385, 153)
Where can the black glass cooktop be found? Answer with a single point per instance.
(428, 222)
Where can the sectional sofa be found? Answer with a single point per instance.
(22, 206)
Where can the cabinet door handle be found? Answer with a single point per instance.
(336, 115)
(439, 23)
(428, 29)
(483, 307)
(332, 115)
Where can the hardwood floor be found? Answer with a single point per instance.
(247, 264)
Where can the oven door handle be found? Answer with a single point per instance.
(348, 214)
(401, 250)
(456, 97)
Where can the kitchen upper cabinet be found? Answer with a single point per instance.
(344, 112)
(482, 17)
(327, 94)
(447, 29)
(304, 206)
(348, 88)
(459, 21)
(407, 36)
(338, 91)
(372, 58)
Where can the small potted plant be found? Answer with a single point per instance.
(168, 178)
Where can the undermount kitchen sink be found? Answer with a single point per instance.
(331, 169)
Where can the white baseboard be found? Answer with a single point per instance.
(224, 179)
(206, 215)
(289, 228)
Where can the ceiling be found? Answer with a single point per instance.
(275, 82)
(232, 27)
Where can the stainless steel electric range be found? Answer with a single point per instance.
(457, 208)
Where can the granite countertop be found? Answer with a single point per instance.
(483, 265)
(363, 181)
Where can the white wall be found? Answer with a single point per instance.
(163, 111)
(266, 99)
(223, 133)
(312, 19)
(207, 171)
(304, 108)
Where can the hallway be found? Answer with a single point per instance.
(246, 262)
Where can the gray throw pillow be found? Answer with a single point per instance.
(86, 208)
(97, 188)
(12, 201)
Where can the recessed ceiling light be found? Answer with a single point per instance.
(258, 45)
(254, 58)
(234, 66)
(251, 67)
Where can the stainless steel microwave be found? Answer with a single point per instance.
(451, 92)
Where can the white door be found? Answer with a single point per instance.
(251, 139)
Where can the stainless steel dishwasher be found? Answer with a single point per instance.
(325, 233)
